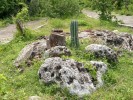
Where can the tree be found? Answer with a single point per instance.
(9, 7)
(59, 8)
(105, 7)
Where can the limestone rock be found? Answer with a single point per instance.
(115, 38)
(57, 51)
(102, 51)
(31, 51)
(34, 98)
(83, 35)
(69, 74)
(101, 69)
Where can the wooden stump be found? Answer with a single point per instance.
(56, 39)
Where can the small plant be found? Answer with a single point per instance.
(74, 34)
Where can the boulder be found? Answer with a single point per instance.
(68, 74)
(30, 51)
(102, 51)
(57, 51)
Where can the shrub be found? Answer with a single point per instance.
(85, 3)
(34, 7)
(23, 15)
(105, 7)
(9, 7)
(59, 8)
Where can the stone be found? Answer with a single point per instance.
(102, 51)
(115, 38)
(69, 74)
(34, 98)
(101, 69)
(30, 51)
(83, 35)
(57, 51)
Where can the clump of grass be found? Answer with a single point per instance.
(82, 23)
(26, 37)
(58, 23)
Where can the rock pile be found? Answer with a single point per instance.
(122, 40)
(71, 74)
(102, 51)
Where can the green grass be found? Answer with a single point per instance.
(5, 22)
(19, 86)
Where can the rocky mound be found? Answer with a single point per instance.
(71, 75)
(102, 51)
(30, 51)
(121, 40)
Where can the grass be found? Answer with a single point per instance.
(5, 22)
(19, 86)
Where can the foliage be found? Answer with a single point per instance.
(126, 8)
(23, 15)
(57, 23)
(9, 7)
(105, 7)
(26, 36)
(85, 3)
(59, 8)
(34, 7)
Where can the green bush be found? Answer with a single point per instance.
(105, 7)
(85, 3)
(23, 15)
(9, 7)
(34, 7)
(59, 8)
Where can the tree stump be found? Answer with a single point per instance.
(57, 38)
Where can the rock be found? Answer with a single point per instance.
(127, 43)
(57, 51)
(34, 98)
(24, 54)
(31, 51)
(102, 51)
(101, 69)
(83, 35)
(115, 38)
(68, 74)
